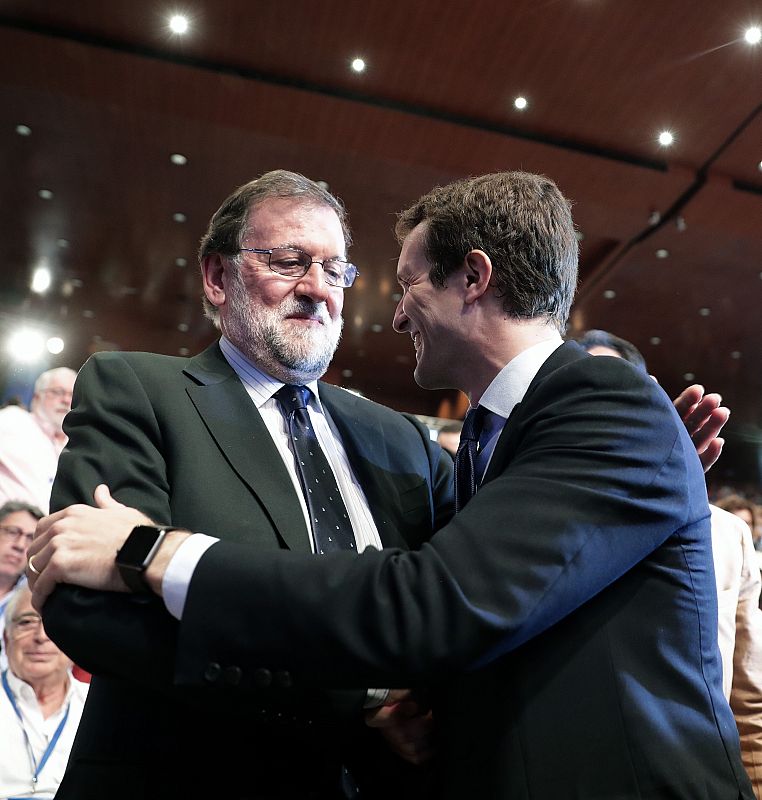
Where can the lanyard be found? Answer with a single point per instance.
(37, 768)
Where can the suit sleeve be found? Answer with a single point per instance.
(598, 481)
(114, 438)
(746, 691)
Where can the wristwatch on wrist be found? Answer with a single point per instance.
(138, 552)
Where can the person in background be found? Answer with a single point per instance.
(746, 510)
(738, 596)
(40, 706)
(17, 524)
(31, 441)
(448, 437)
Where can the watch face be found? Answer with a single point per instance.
(139, 545)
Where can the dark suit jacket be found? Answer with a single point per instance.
(566, 618)
(181, 440)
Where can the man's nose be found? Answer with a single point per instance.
(312, 284)
(400, 321)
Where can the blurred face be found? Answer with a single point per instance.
(16, 532)
(429, 314)
(745, 515)
(54, 402)
(290, 327)
(31, 655)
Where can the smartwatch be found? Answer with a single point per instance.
(138, 552)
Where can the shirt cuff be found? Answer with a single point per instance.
(177, 576)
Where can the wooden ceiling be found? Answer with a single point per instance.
(672, 247)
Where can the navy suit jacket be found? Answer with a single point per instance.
(181, 440)
(565, 620)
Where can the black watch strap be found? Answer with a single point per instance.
(137, 552)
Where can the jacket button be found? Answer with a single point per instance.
(233, 675)
(262, 678)
(283, 679)
(212, 672)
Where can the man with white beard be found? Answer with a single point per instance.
(209, 443)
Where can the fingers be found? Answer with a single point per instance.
(711, 454)
(688, 398)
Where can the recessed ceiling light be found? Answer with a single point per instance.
(62, 243)
(662, 253)
(323, 185)
(579, 235)
(41, 279)
(689, 376)
(183, 327)
(520, 103)
(23, 130)
(178, 216)
(376, 328)
(396, 297)
(655, 340)
(178, 23)
(736, 354)
(179, 159)
(346, 373)
(753, 35)
(45, 194)
(666, 138)
(55, 345)
(183, 351)
(88, 314)
(181, 262)
(609, 294)
(705, 312)
(759, 166)
(358, 65)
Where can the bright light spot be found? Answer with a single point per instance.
(179, 159)
(705, 312)
(45, 194)
(655, 340)
(358, 65)
(666, 138)
(23, 130)
(520, 103)
(662, 253)
(178, 23)
(179, 217)
(41, 280)
(55, 345)
(689, 376)
(736, 354)
(609, 294)
(26, 345)
(183, 327)
(376, 328)
(346, 373)
(759, 166)
(62, 243)
(753, 35)
(181, 262)
(579, 236)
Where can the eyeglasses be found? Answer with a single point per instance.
(15, 534)
(25, 624)
(294, 263)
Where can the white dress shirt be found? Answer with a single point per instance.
(261, 388)
(15, 761)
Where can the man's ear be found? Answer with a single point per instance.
(477, 274)
(212, 269)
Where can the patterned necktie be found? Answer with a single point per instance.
(331, 528)
(465, 470)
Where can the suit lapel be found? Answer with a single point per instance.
(235, 424)
(509, 438)
(359, 432)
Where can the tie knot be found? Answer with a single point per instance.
(473, 424)
(292, 397)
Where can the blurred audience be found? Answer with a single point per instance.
(40, 706)
(746, 510)
(448, 437)
(17, 523)
(31, 441)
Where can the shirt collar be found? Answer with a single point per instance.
(260, 386)
(21, 689)
(510, 385)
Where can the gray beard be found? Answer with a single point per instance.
(298, 356)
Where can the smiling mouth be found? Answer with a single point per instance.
(311, 318)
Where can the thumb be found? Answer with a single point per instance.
(103, 498)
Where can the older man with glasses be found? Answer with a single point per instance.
(31, 441)
(40, 706)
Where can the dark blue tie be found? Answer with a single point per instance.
(465, 458)
(331, 528)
